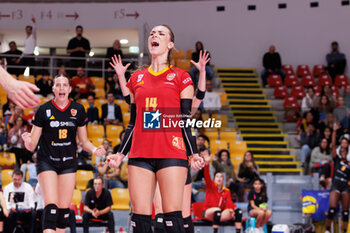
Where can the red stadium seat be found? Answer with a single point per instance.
(291, 80)
(303, 70)
(325, 79)
(197, 211)
(318, 69)
(274, 80)
(341, 80)
(298, 91)
(335, 90)
(308, 80)
(291, 101)
(280, 92)
(318, 90)
(288, 69)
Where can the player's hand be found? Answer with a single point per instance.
(197, 162)
(21, 93)
(100, 151)
(203, 60)
(114, 160)
(118, 65)
(27, 138)
(206, 156)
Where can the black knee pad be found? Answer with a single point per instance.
(49, 217)
(188, 225)
(331, 213)
(238, 215)
(216, 217)
(345, 215)
(141, 223)
(63, 218)
(159, 224)
(173, 222)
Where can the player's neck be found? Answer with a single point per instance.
(159, 63)
(61, 103)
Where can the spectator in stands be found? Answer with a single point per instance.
(16, 142)
(112, 85)
(341, 113)
(13, 61)
(347, 96)
(111, 176)
(30, 167)
(218, 205)
(257, 206)
(3, 141)
(211, 101)
(45, 85)
(121, 137)
(98, 205)
(19, 197)
(224, 165)
(29, 46)
(308, 117)
(78, 47)
(82, 85)
(246, 173)
(327, 91)
(336, 61)
(124, 173)
(324, 107)
(92, 111)
(107, 145)
(309, 102)
(198, 116)
(62, 71)
(320, 159)
(114, 50)
(308, 140)
(272, 64)
(111, 112)
(328, 122)
(15, 112)
(198, 176)
(194, 71)
(327, 134)
(4, 213)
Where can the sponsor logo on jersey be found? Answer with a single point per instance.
(139, 78)
(170, 76)
(187, 80)
(52, 118)
(55, 124)
(151, 120)
(48, 112)
(141, 83)
(73, 112)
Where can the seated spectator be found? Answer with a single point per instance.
(16, 143)
(328, 122)
(211, 101)
(247, 172)
(15, 112)
(308, 117)
(224, 165)
(40, 208)
(272, 64)
(19, 197)
(121, 137)
(341, 113)
(198, 116)
(112, 85)
(62, 71)
(124, 173)
(92, 111)
(111, 112)
(324, 107)
(320, 159)
(194, 71)
(13, 61)
(336, 61)
(327, 134)
(4, 213)
(29, 117)
(327, 91)
(257, 206)
(308, 140)
(82, 86)
(110, 175)
(218, 205)
(309, 102)
(3, 142)
(45, 85)
(346, 96)
(31, 168)
(98, 204)
(107, 145)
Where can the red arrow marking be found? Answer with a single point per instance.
(5, 16)
(75, 16)
(136, 15)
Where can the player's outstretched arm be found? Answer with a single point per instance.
(20, 92)
(120, 70)
(200, 65)
(31, 139)
(87, 145)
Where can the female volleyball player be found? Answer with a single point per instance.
(340, 185)
(55, 127)
(158, 153)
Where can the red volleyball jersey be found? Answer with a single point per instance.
(157, 96)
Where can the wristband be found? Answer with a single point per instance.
(94, 150)
(200, 94)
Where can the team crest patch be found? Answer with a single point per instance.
(178, 143)
(139, 78)
(170, 76)
(48, 112)
(73, 112)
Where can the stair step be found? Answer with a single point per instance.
(237, 113)
(286, 170)
(250, 106)
(266, 125)
(233, 85)
(275, 156)
(263, 135)
(245, 95)
(267, 144)
(236, 74)
(260, 129)
(243, 89)
(278, 162)
(256, 117)
(269, 150)
(235, 78)
(249, 101)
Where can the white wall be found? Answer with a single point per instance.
(235, 37)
